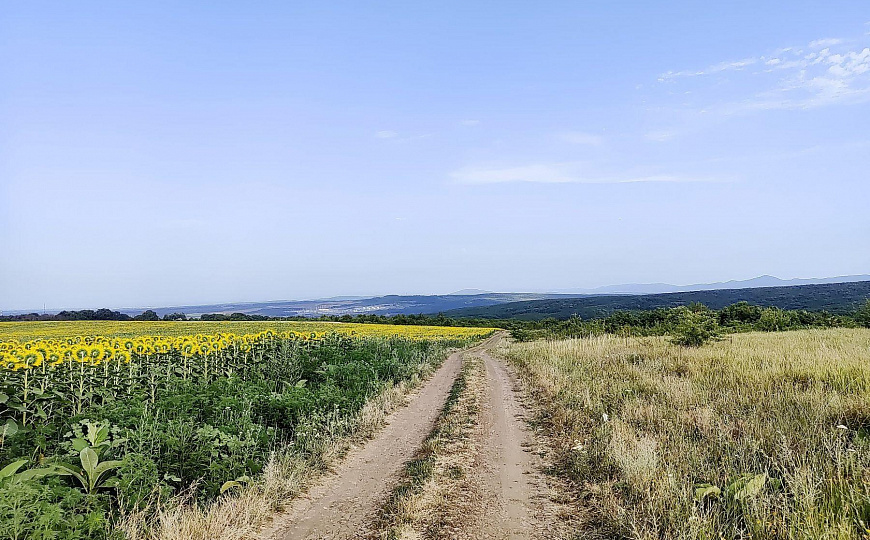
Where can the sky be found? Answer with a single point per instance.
(166, 153)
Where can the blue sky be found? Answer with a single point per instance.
(161, 154)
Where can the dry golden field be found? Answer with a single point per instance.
(760, 435)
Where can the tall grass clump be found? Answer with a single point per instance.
(759, 435)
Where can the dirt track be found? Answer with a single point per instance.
(512, 492)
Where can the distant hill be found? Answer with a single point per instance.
(470, 292)
(760, 281)
(833, 297)
(379, 305)
(586, 302)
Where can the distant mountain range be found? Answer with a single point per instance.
(838, 298)
(472, 299)
(475, 301)
(760, 281)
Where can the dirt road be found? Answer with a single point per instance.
(514, 493)
(511, 494)
(344, 503)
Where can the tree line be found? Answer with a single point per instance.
(103, 314)
(683, 320)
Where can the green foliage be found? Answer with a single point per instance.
(773, 320)
(739, 317)
(836, 298)
(94, 435)
(175, 431)
(9, 474)
(237, 483)
(862, 317)
(697, 326)
(147, 315)
(50, 510)
(92, 473)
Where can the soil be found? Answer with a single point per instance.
(513, 497)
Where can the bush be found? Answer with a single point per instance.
(696, 327)
(774, 320)
(863, 315)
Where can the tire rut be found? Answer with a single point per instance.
(343, 504)
(514, 494)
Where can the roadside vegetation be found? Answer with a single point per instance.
(682, 321)
(757, 435)
(167, 435)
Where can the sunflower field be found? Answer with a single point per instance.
(99, 419)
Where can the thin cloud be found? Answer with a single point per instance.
(385, 134)
(732, 65)
(826, 72)
(552, 174)
(469, 123)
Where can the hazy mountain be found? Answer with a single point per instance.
(470, 292)
(466, 298)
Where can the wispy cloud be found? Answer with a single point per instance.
(579, 137)
(469, 123)
(825, 42)
(385, 134)
(552, 174)
(732, 65)
(824, 72)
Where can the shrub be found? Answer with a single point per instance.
(863, 315)
(774, 320)
(696, 327)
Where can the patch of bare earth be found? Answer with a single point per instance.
(436, 493)
(518, 500)
(486, 480)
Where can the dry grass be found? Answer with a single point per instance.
(642, 423)
(242, 513)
